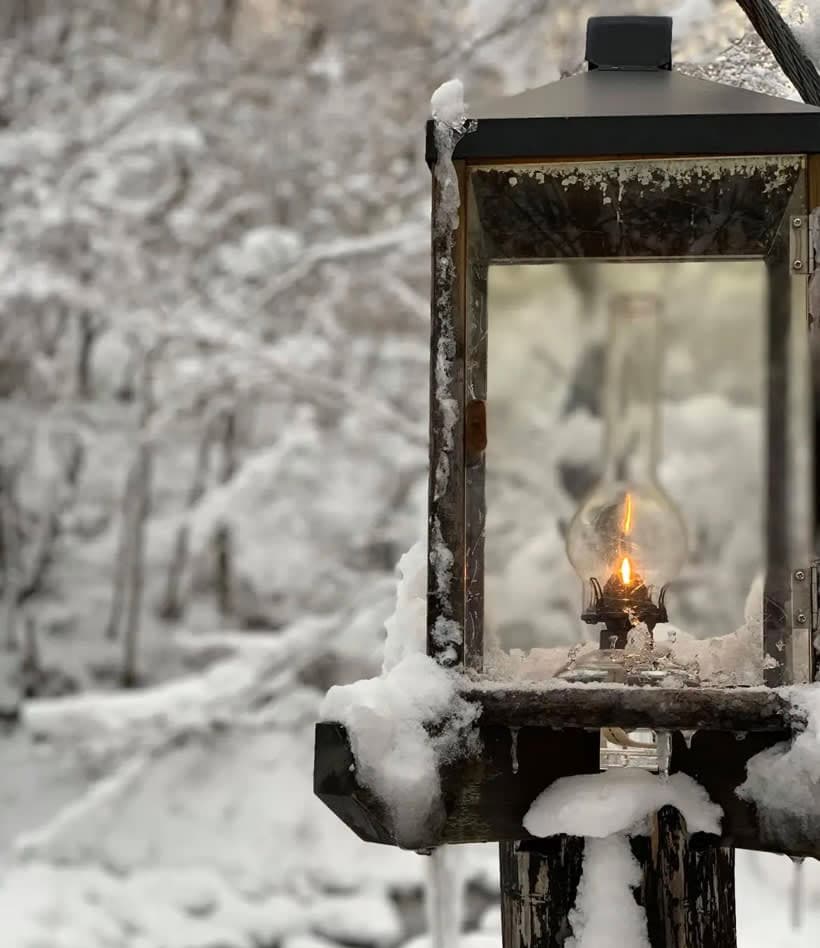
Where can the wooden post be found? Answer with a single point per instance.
(688, 891)
(539, 879)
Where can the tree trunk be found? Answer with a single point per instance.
(12, 574)
(173, 602)
(88, 333)
(222, 551)
(227, 20)
(135, 575)
(31, 668)
(172, 606)
(222, 539)
(112, 627)
(31, 580)
(140, 510)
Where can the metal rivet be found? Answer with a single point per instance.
(799, 575)
(801, 618)
(798, 264)
(797, 222)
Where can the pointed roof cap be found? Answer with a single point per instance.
(630, 103)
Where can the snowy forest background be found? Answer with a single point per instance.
(214, 315)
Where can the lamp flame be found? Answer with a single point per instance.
(626, 571)
(628, 515)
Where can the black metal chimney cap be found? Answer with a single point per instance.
(631, 43)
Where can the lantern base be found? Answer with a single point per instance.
(622, 666)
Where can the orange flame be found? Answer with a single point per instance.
(628, 515)
(626, 571)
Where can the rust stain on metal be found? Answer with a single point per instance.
(476, 429)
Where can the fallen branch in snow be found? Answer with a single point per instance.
(342, 250)
(223, 692)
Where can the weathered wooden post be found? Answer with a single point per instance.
(650, 176)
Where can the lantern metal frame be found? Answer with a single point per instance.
(544, 137)
(757, 212)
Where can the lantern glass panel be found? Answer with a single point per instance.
(669, 408)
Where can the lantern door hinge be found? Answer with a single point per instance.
(814, 630)
(805, 622)
(814, 239)
(800, 244)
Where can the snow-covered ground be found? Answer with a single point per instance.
(217, 840)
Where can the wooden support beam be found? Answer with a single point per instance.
(484, 799)
(626, 706)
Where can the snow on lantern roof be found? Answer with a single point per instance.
(634, 109)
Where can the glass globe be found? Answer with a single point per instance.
(632, 532)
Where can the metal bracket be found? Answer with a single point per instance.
(802, 259)
(814, 631)
(814, 238)
(814, 258)
(800, 663)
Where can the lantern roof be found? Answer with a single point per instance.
(631, 103)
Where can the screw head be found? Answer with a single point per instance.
(797, 222)
(799, 575)
(801, 618)
(798, 264)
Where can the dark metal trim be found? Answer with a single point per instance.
(785, 549)
(446, 532)
(662, 136)
(474, 479)
(629, 42)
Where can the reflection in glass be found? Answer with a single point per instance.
(549, 407)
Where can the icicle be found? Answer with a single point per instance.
(445, 897)
(797, 893)
(663, 744)
(687, 736)
(514, 748)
